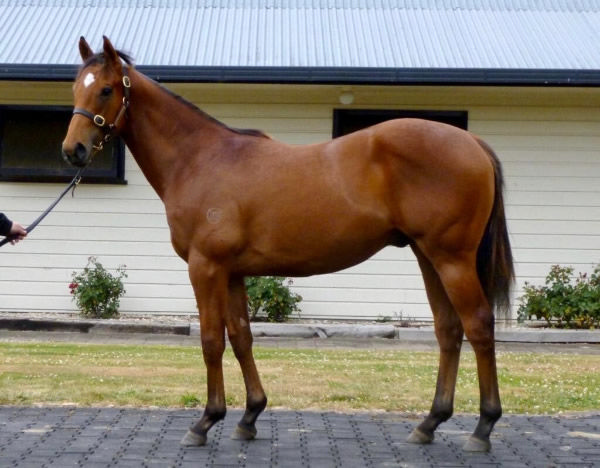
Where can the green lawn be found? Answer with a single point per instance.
(344, 380)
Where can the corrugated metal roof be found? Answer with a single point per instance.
(402, 34)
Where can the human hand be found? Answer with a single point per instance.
(17, 233)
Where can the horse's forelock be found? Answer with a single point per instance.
(99, 58)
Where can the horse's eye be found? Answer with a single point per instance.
(106, 91)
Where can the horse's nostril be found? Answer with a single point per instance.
(80, 152)
(76, 155)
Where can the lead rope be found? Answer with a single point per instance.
(39, 219)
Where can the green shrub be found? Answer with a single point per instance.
(563, 302)
(272, 296)
(96, 292)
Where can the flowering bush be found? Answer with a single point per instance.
(96, 292)
(270, 295)
(562, 302)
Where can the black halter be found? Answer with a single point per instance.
(100, 120)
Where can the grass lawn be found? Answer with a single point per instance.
(343, 380)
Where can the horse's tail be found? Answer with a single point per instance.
(494, 256)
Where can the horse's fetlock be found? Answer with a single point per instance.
(442, 414)
(215, 414)
(256, 406)
(209, 418)
(491, 413)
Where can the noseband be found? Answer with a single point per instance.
(100, 121)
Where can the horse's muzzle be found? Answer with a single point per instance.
(77, 155)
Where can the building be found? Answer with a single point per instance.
(522, 74)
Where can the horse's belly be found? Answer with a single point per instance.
(314, 249)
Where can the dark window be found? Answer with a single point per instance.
(349, 120)
(30, 148)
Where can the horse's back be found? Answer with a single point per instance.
(417, 147)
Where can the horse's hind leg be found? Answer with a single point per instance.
(449, 332)
(240, 337)
(461, 282)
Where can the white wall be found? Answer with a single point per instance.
(548, 140)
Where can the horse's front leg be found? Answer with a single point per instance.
(240, 337)
(210, 283)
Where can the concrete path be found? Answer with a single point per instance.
(348, 342)
(293, 330)
(117, 437)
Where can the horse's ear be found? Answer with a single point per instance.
(110, 54)
(84, 49)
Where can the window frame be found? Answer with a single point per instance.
(446, 116)
(115, 175)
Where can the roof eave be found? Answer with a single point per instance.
(327, 75)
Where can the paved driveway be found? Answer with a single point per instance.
(101, 437)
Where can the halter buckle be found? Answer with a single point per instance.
(99, 120)
(126, 81)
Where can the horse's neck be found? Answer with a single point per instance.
(158, 131)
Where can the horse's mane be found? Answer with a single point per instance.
(100, 59)
(240, 131)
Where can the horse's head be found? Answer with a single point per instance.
(101, 97)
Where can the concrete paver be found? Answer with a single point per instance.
(128, 437)
(105, 437)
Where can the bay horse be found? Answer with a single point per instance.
(239, 203)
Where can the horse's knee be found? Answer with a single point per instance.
(213, 347)
(241, 343)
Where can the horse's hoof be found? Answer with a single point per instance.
(191, 439)
(474, 444)
(243, 433)
(419, 437)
